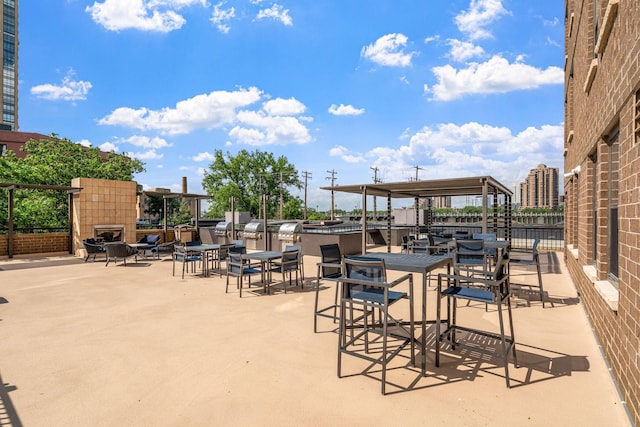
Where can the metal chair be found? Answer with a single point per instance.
(163, 247)
(236, 267)
(364, 285)
(287, 265)
(218, 256)
(494, 290)
(330, 269)
(119, 250)
(488, 237)
(532, 259)
(186, 257)
(470, 257)
(300, 259)
(93, 248)
(406, 243)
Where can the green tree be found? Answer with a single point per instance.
(55, 161)
(246, 177)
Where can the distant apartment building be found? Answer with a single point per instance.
(602, 177)
(436, 202)
(540, 189)
(9, 56)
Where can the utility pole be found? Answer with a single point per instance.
(376, 180)
(306, 176)
(417, 168)
(281, 199)
(332, 178)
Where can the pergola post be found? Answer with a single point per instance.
(416, 202)
(364, 219)
(388, 222)
(70, 242)
(10, 230)
(485, 197)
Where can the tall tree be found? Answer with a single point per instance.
(246, 177)
(56, 161)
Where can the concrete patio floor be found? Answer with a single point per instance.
(82, 344)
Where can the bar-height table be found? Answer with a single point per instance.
(416, 263)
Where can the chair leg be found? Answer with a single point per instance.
(540, 281)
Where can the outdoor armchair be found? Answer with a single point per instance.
(93, 248)
(164, 247)
(119, 250)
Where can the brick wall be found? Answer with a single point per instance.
(593, 113)
(38, 243)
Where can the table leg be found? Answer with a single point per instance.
(423, 341)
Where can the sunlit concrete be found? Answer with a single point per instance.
(87, 345)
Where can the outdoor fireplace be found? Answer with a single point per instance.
(109, 233)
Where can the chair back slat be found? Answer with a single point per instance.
(371, 270)
(331, 254)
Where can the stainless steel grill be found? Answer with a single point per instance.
(222, 228)
(288, 232)
(253, 230)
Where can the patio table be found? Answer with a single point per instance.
(265, 258)
(416, 263)
(203, 250)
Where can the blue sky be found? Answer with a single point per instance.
(442, 88)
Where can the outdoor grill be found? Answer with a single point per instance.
(253, 230)
(289, 231)
(222, 229)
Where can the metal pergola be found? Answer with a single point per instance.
(165, 196)
(11, 187)
(471, 186)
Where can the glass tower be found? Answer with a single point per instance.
(9, 89)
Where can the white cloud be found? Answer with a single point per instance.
(471, 149)
(276, 12)
(146, 155)
(108, 146)
(259, 128)
(147, 142)
(278, 122)
(145, 15)
(203, 157)
(462, 51)
(284, 107)
(497, 75)
(207, 111)
(345, 110)
(84, 143)
(481, 13)
(222, 17)
(68, 90)
(389, 51)
(346, 155)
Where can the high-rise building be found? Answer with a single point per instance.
(602, 177)
(540, 189)
(9, 55)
